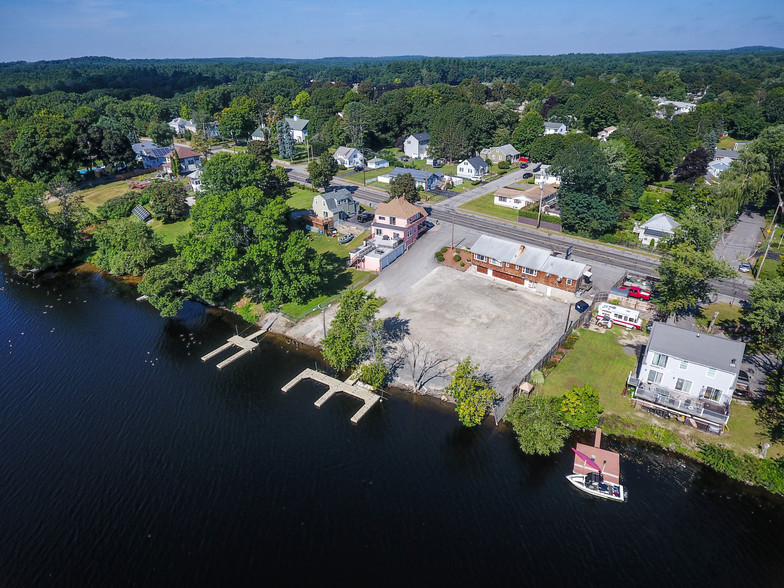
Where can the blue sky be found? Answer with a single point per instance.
(32, 30)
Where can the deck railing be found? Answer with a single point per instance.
(708, 410)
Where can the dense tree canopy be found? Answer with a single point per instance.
(471, 393)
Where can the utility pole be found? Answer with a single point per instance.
(568, 316)
(767, 247)
(453, 228)
(541, 197)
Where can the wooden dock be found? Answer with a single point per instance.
(336, 386)
(246, 345)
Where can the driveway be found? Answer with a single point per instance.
(742, 241)
(510, 177)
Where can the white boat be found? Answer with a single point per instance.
(594, 484)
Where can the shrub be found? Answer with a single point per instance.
(444, 249)
(119, 206)
(549, 364)
(439, 256)
(457, 257)
(462, 264)
(374, 374)
(503, 165)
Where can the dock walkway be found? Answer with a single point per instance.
(336, 386)
(246, 345)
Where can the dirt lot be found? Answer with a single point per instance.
(452, 314)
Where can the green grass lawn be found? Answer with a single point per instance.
(170, 232)
(726, 143)
(484, 205)
(369, 175)
(95, 197)
(729, 315)
(598, 359)
(300, 199)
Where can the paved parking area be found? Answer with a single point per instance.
(454, 314)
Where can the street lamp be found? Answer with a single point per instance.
(323, 310)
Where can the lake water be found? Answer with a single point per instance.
(126, 461)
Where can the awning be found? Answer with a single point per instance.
(587, 274)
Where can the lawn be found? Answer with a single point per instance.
(599, 360)
(95, 197)
(726, 143)
(369, 175)
(301, 199)
(728, 318)
(170, 232)
(484, 205)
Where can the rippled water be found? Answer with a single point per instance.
(125, 460)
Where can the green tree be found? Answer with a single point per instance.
(322, 170)
(176, 166)
(580, 407)
(164, 285)
(531, 126)
(226, 172)
(473, 395)
(201, 142)
(160, 133)
(746, 181)
(301, 102)
(770, 143)
(261, 152)
(285, 141)
(167, 201)
(686, 275)
(347, 342)
(404, 185)
(536, 420)
(765, 314)
(126, 246)
(355, 122)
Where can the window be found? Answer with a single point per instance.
(396, 235)
(378, 232)
(479, 257)
(712, 393)
(495, 262)
(503, 199)
(659, 360)
(711, 373)
(568, 282)
(654, 377)
(529, 271)
(684, 364)
(381, 218)
(392, 220)
(409, 232)
(683, 385)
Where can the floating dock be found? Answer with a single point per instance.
(335, 386)
(246, 345)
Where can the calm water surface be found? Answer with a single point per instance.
(126, 461)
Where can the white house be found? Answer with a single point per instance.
(551, 128)
(180, 126)
(688, 375)
(415, 146)
(659, 226)
(500, 153)
(678, 107)
(377, 163)
(194, 179)
(189, 160)
(423, 179)
(517, 199)
(472, 168)
(349, 157)
(543, 176)
(717, 166)
(299, 128)
(605, 133)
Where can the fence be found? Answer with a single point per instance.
(502, 405)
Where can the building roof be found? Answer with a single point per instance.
(186, 152)
(732, 154)
(421, 137)
(476, 162)
(399, 207)
(552, 125)
(528, 256)
(297, 123)
(661, 222)
(377, 160)
(141, 146)
(696, 347)
(158, 152)
(505, 149)
(345, 152)
(510, 192)
(419, 175)
(195, 175)
(542, 191)
(259, 132)
(179, 121)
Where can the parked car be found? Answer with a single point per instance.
(364, 217)
(347, 238)
(426, 226)
(742, 386)
(744, 267)
(581, 306)
(527, 175)
(523, 165)
(437, 164)
(308, 180)
(358, 168)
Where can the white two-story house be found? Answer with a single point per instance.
(472, 168)
(688, 375)
(415, 146)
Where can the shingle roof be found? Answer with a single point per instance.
(499, 249)
(696, 347)
(505, 149)
(259, 132)
(418, 174)
(476, 162)
(552, 125)
(535, 193)
(726, 153)
(421, 136)
(399, 207)
(345, 152)
(185, 152)
(510, 192)
(662, 222)
(297, 124)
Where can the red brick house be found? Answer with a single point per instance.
(523, 264)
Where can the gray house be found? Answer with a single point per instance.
(416, 146)
(659, 226)
(299, 128)
(338, 204)
(500, 153)
(423, 179)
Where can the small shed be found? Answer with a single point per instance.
(141, 213)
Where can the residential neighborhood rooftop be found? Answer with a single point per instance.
(399, 207)
(694, 346)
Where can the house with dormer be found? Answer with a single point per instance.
(349, 157)
(299, 128)
(659, 226)
(687, 375)
(553, 128)
(338, 204)
(472, 168)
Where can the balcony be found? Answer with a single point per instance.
(708, 411)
